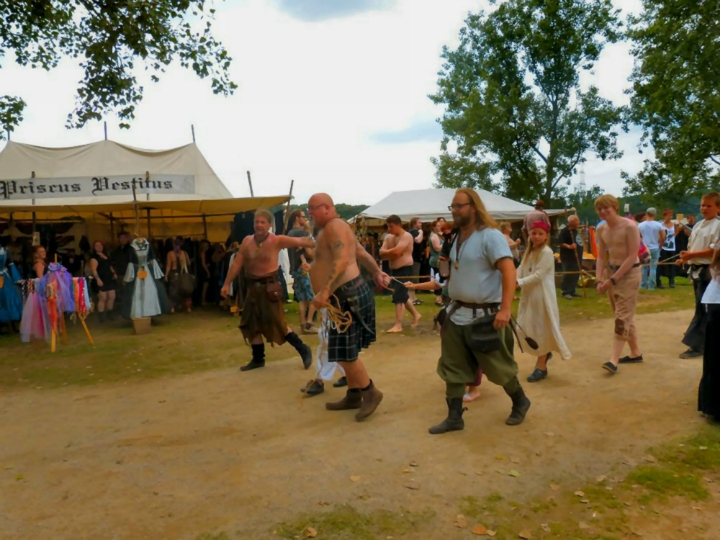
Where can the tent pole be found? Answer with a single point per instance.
(105, 128)
(252, 193)
(205, 227)
(112, 226)
(287, 208)
(137, 211)
(32, 175)
(192, 129)
(149, 234)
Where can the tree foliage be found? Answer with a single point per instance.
(676, 95)
(107, 39)
(514, 107)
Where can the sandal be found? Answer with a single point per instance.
(537, 375)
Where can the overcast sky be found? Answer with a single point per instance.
(332, 94)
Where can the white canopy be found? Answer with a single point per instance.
(429, 204)
(77, 167)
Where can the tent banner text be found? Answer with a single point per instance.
(96, 186)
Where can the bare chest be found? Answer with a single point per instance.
(260, 257)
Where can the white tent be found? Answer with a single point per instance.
(177, 191)
(429, 204)
(42, 168)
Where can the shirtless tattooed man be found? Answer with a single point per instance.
(263, 312)
(336, 281)
(618, 273)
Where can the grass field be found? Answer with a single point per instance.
(208, 339)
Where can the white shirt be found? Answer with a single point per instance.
(712, 293)
(704, 236)
(650, 232)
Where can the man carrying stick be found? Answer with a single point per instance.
(618, 272)
(338, 286)
(263, 314)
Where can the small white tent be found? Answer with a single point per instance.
(429, 204)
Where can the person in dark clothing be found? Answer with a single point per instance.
(120, 259)
(709, 390)
(105, 277)
(571, 253)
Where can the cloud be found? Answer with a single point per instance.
(320, 10)
(421, 131)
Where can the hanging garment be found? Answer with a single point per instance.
(10, 302)
(146, 295)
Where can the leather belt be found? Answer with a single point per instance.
(485, 309)
(477, 306)
(257, 282)
(613, 267)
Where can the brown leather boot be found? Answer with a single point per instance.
(352, 400)
(371, 398)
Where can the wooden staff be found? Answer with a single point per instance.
(87, 330)
(580, 268)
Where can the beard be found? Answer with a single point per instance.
(462, 221)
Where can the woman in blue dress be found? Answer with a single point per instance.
(10, 302)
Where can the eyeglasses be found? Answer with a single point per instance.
(458, 206)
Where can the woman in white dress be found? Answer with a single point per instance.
(538, 313)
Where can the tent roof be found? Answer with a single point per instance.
(125, 210)
(429, 204)
(108, 158)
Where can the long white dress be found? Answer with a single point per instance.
(538, 314)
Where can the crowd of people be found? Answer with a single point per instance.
(476, 271)
(476, 268)
(192, 270)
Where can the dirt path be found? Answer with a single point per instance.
(175, 457)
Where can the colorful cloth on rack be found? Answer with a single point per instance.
(61, 281)
(35, 322)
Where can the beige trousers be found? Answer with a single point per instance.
(623, 298)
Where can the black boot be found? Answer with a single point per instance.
(454, 421)
(520, 407)
(101, 316)
(258, 358)
(305, 352)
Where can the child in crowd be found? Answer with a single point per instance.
(703, 239)
(538, 313)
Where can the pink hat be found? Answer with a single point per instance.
(540, 225)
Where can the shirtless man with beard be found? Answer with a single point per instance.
(336, 281)
(263, 312)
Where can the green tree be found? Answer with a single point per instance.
(514, 108)
(676, 96)
(107, 39)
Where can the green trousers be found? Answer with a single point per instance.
(459, 364)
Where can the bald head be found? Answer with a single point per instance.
(321, 209)
(573, 221)
(321, 198)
